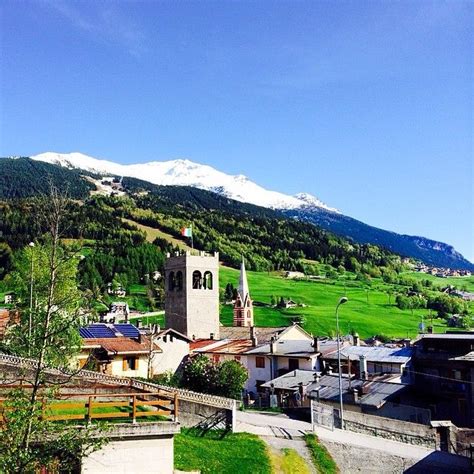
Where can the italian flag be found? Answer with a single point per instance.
(187, 231)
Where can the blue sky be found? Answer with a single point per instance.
(368, 105)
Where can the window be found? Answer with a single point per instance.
(258, 385)
(179, 281)
(130, 363)
(197, 280)
(237, 358)
(293, 364)
(216, 358)
(260, 362)
(208, 280)
(171, 281)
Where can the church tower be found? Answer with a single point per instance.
(192, 294)
(243, 306)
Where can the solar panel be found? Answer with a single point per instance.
(101, 331)
(128, 330)
(85, 333)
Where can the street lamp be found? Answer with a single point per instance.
(30, 320)
(341, 301)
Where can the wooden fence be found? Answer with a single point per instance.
(129, 406)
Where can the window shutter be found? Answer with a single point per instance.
(124, 364)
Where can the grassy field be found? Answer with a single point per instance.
(459, 282)
(152, 233)
(368, 311)
(237, 453)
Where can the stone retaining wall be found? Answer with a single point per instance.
(396, 430)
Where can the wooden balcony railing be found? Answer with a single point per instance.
(106, 406)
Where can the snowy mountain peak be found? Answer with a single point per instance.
(183, 172)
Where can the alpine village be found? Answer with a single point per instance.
(151, 328)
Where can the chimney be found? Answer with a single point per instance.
(273, 347)
(356, 396)
(356, 339)
(407, 342)
(316, 377)
(363, 367)
(430, 329)
(253, 336)
(139, 323)
(316, 344)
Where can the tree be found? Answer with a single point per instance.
(231, 378)
(47, 332)
(229, 291)
(226, 378)
(5, 259)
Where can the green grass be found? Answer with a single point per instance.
(458, 282)
(367, 312)
(322, 460)
(288, 461)
(235, 453)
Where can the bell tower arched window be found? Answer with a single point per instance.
(171, 281)
(197, 280)
(208, 280)
(179, 280)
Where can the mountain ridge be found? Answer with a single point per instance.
(183, 172)
(301, 206)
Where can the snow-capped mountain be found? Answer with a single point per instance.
(187, 173)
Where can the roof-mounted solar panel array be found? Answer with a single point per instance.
(109, 331)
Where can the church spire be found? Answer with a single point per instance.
(243, 306)
(243, 284)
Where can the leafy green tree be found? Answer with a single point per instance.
(231, 378)
(5, 259)
(47, 332)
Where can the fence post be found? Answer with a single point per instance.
(176, 407)
(89, 410)
(134, 409)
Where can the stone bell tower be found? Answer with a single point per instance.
(192, 294)
(243, 306)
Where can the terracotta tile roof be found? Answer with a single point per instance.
(199, 343)
(120, 345)
(238, 346)
(7, 317)
(264, 334)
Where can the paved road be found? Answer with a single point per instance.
(282, 426)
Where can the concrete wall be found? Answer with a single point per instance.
(405, 432)
(135, 448)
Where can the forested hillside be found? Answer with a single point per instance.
(23, 177)
(116, 252)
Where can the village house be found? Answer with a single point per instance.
(369, 362)
(174, 350)
(118, 311)
(443, 367)
(116, 349)
(379, 397)
(292, 349)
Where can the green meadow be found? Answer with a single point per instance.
(369, 311)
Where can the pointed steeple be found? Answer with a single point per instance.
(243, 306)
(243, 284)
